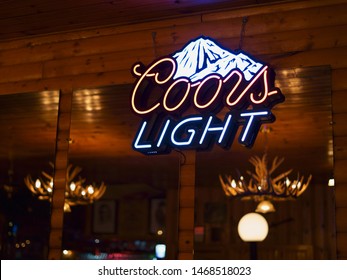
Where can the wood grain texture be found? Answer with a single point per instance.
(60, 170)
(287, 35)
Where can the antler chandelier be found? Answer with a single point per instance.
(263, 184)
(76, 192)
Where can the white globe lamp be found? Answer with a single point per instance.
(253, 227)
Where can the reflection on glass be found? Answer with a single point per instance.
(122, 221)
(28, 123)
(300, 228)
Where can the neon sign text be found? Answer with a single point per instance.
(205, 78)
(228, 90)
(197, 131)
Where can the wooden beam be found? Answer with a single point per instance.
(60, 169)
(78, 81)
(269, 8)
(14, 73)
(186, 207)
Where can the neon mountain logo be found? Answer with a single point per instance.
(178, 97)
(204, 57)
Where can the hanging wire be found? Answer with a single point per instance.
(243, 31)
(154, 35)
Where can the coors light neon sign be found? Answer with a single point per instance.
(179, 96)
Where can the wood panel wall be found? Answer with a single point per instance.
(292, 34)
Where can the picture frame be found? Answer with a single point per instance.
(104, 216)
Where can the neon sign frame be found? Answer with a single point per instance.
(202, 78)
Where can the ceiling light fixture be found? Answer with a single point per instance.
(76, 192)
(265, 206)
(264, 184)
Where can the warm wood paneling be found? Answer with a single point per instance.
(342, 245)
(341, 194)
(340, 146)
(338, 79)
(341, 221)
(41, 17)
(99, 59)
(340, 124)
(340, 171)
(286, 35)
(339, 101)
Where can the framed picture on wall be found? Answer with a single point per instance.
(104, 216)
(157, 215)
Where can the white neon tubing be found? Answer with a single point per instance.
(191, 131)
(136, 144)
(262, 113)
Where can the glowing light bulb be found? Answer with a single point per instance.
(90, 189)
(72, 186)
(37, 184)
(233, 184)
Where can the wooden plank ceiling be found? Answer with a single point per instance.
(20, 19)
(103, 125)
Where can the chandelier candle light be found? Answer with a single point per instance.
(76, 192)
(263, 186)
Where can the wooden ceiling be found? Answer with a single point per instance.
(103, 126)
(19, 19)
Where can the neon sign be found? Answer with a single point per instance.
(179, 96)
